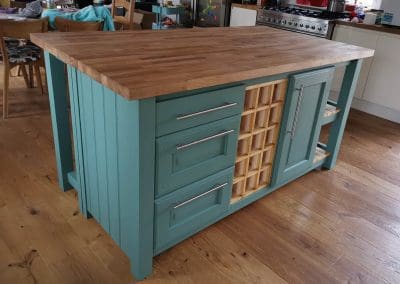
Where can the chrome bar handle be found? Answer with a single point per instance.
(297, 112)
(200, 195)
(224, 106)
(183, 146)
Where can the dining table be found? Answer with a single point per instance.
(15, 17)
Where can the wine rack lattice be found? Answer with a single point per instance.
(259, 129)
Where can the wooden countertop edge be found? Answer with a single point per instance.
(144, 92)
(378, 28)
(246, 6)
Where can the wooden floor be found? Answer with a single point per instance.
(329, 226)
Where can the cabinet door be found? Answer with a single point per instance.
(383, 82)
(301, 124)
(241, 17)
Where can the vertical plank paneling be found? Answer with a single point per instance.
(110, 123)
(90, 145)
(118, 138)
(77, 138)
(101, 154)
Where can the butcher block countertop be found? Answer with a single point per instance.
(378, 28)
(144, 64)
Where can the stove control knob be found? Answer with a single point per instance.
(313, 27)
(307, 26)
(301, 25)
(290, 23)
(320, 29)
(283, 22)
(295, 24)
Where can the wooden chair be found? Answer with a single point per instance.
(125, 18)
(66, 25)
(17, 50)
(17, 4)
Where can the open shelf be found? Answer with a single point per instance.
(259, 130)
(320, 155)
(330, 114)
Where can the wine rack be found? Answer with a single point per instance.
(259, 131)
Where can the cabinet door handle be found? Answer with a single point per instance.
(224, 106)
(297, 112)
(224, 133)
(201, 195)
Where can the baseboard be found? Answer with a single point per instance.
(377, 110)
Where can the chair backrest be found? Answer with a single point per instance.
(17, 4)
(66, 25)
(128, 19)
(22, 29)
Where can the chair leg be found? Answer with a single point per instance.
(26, 79)
(6, 80)
(38, 77)
(30, 75)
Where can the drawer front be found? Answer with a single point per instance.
(189, 209)
(190, 155)
(187, 112)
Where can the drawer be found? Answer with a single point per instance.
(189, 209)
(190, 155)
(182, 113)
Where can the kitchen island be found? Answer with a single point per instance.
(174, 130)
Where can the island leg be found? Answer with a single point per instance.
(57, 88)
(347, 90)
(136, 156)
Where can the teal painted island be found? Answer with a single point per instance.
(174, 130)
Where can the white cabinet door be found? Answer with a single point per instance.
(383, 86)
(241, 17)
(359, 37)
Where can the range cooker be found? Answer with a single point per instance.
(313, 22)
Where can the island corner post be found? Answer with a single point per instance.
(113, 153)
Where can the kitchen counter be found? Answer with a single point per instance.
(246, 6)
(174, 130)
(379, 28)
(135, 64)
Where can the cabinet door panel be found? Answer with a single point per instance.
(300, 146)
(301, 124)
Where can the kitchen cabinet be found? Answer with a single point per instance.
(383, 84)
(301, 125)
(156, 157)
(377, 89)
(241, 17)
(359, 37)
